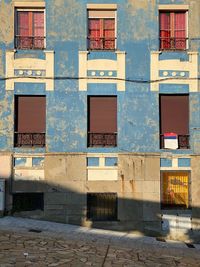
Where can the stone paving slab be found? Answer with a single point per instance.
(68, 245)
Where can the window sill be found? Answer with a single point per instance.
(101, 50)
(173, 50)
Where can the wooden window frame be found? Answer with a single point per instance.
(31, 11)
(171, 193)
(101, 29)
(172, 29)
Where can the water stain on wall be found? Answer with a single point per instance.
(61, 26)
(140, 14)
(6, 25)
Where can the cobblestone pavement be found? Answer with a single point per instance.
(27, 248)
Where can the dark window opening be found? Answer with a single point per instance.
(173, 30)
(28, 201)
(102, 206)
(29, 29)
(174, 121)
(30, 121)
(102, 121)
(174, 190)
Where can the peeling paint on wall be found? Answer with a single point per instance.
(6, 25)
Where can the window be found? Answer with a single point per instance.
(102, 123)
(29, 30)
(102, 206)
(174, 119)
(28, 201)
(175, 189)
(30, 121)
(173, 30)
(101, 30)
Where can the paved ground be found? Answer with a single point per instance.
(25, 242)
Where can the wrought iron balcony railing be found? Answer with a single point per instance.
(101, 43)
(175, 43)
(29, 42)
(102, 139)
(29, 139)
(183, 141)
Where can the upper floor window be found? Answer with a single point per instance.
(101, 29)
(29, 29)
(173, 30)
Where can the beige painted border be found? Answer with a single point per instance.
(101, 6)
(173, 7)
(29, 4)
(177, 65)
(30, 63)
(104, 155)
(175, 164)
(175, 168)
(102, 172)
(102, 64)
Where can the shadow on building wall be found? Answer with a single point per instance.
(99, 209)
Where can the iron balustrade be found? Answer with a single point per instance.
(101, 43)
(29, 139)
(29, 42)
(183, 141)
(102, 139)
(175, 43)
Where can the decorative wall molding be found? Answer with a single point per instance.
(180, 72)
(28, 69)
(100, 171)
(101, 70)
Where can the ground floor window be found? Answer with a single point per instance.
(28, 201)
(175, 189)
(102, 206)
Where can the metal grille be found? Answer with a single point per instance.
(30, 139)
(175, 189)
(29, 42)
(183, 141)
(102, 139)
(101, 43)
(28, 201)
(102, 206)
(168, 43)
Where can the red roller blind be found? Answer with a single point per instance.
(174, 114)
(30, 114)
(103, 114)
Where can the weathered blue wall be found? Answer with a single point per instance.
(66, 111)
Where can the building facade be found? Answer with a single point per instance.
(100, 113)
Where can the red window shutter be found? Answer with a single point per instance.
(38, 28)
(38, 22)
(180, 30)
(31, 114)
(174, 114)
(23, 23)
(94, 34)
(103, 114)
(165, 30)
(109, 33)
